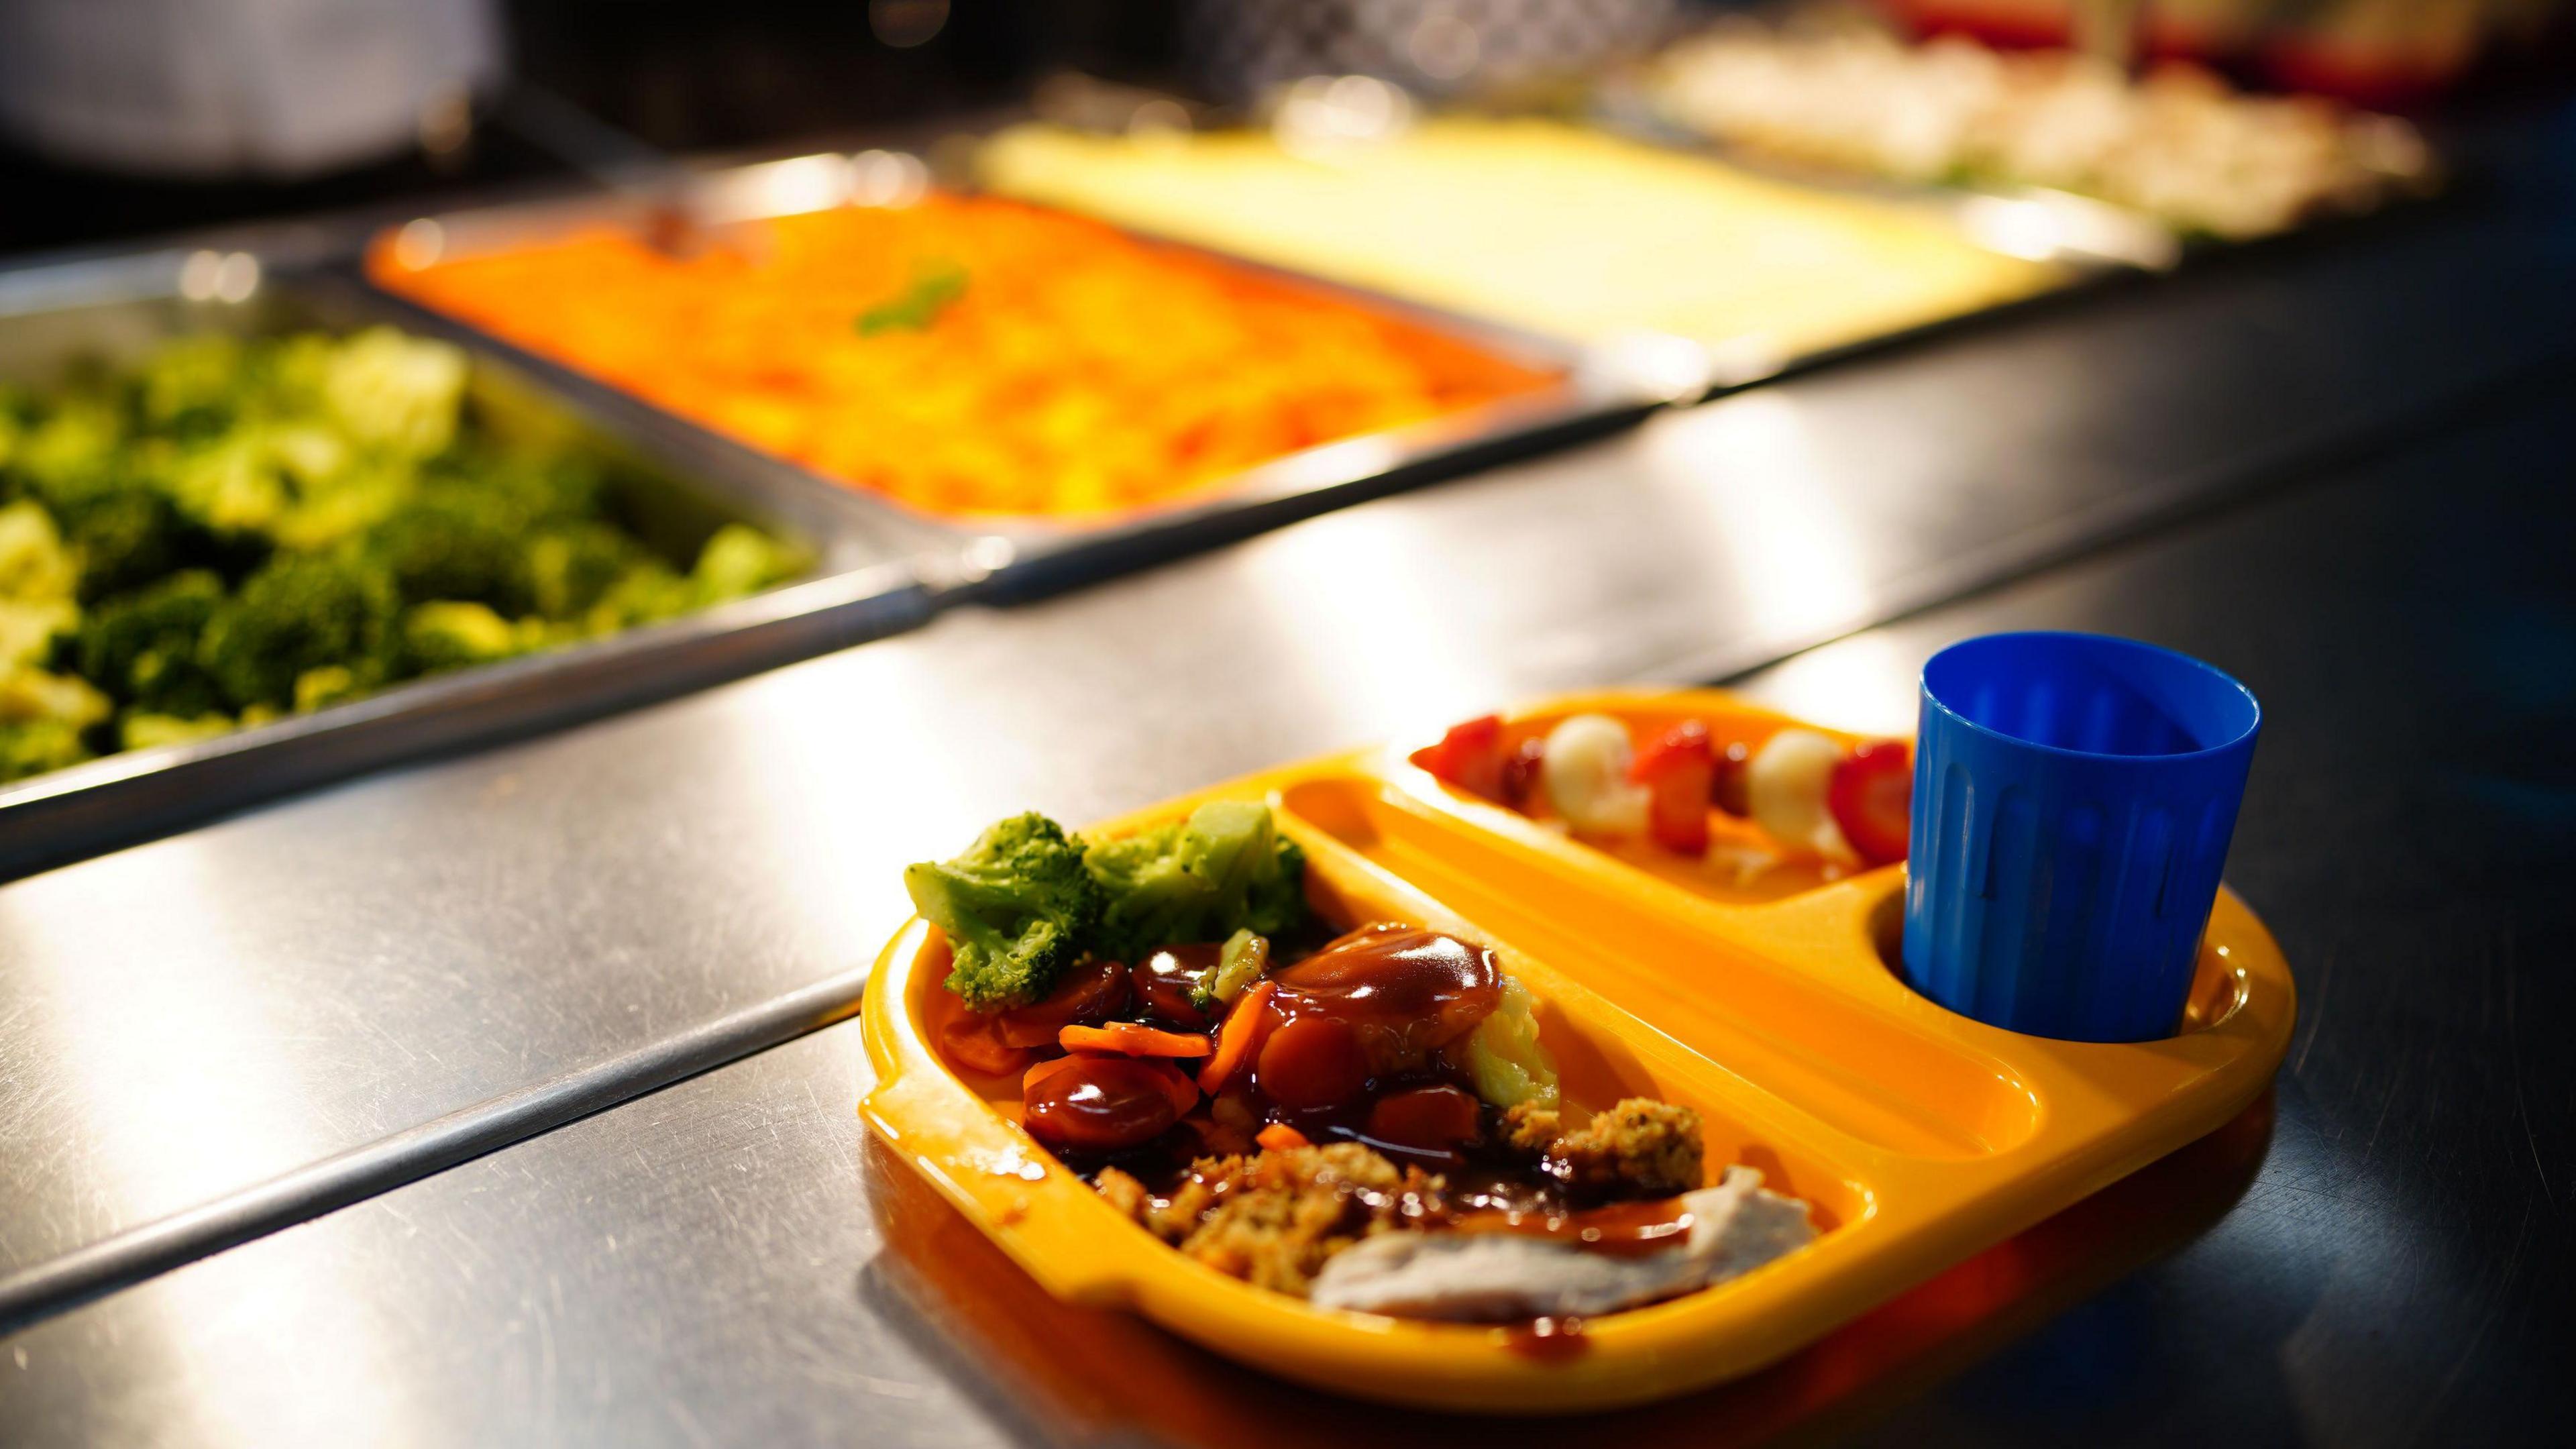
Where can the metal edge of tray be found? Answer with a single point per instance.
(865, 586)
(990, 557)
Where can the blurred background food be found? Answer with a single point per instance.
(124, 116)
(967, 354)
(231, 530)
(1739, 263)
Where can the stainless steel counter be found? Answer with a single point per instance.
(2378, 1249)
(190, 1018)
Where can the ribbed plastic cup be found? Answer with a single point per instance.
(2073, 799)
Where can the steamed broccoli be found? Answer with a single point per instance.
(141, 647)
(43, 720)
(32, 747)
(1224, 869)
(37, 573)
(34, 564)
(571, 567)
(300, 612)
(449, 634)
(739, 560)
(454, 544)
(127, 537)
(1017, 908)
(192, 387)
(391, 391)
(232, 528)
(140, 731)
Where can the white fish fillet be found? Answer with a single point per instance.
(1736, 1226)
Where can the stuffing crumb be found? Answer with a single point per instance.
(1637, 1148)
(1530, 1128)
(1273, 1218)
(1125, 1194)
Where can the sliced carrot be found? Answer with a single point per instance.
(1046, 1069)
(1133, 1038)
(1279, 1137)
(1236, 1039)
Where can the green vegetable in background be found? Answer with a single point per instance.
(300, 613)
(232, 528)
(1224, 869)
(141, 647)
(1018, 908)
(935, 287)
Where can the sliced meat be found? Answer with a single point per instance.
(1736, 1227)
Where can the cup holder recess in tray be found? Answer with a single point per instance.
(1799, 1040)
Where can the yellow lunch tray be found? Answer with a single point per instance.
(1919, 1137)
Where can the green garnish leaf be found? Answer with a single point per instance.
(934, 289)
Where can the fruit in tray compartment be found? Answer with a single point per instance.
(1680, 769)
(1807, 792)
(1470, 756)
(1786, 785)
(1585, 772)
(1871, 795)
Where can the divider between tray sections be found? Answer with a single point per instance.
(1788, 1011)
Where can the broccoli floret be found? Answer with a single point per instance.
(141, 647)
(33, 696)
(1017, 908)
(739, 560)
(391, 391)
(321, 688)
(127, 537)
(570, 568)
(144, 731)
(300, 612)
(446, 634)
(77, 442)
(1224, 869)
(37, 574)
(33, 747)
(647, 593)
(231, 486)
(34, 564)
(193, 387)
(455, 544)
(29, 629)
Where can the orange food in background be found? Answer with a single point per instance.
(1077, 370)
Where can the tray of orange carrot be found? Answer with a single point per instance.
(985, 367)
(1559, 1063)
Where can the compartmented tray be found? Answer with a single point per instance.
(1596, 390)
(1917, 1136)
(866, 581)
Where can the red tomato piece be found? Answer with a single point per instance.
(1871, 795)
(1431, 1119)
(1470, 756)
(1312, 1061)
(1680, 769)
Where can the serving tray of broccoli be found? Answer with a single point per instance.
(221, 524)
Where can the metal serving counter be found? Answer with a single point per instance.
(408, 967)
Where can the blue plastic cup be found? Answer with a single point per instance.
(2073, 799)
